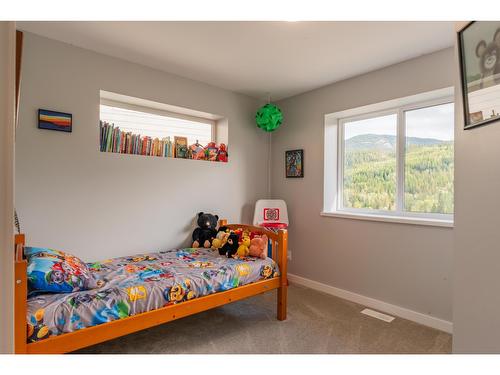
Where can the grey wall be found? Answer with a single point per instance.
(476, 303)
(406, 265)
(98, 205)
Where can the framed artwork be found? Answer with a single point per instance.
(52, 120)
(479, 50)
(181, 147)
(294, 163)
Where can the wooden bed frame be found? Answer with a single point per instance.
(69, 342)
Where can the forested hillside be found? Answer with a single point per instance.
(370, 174)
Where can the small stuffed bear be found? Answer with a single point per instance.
(231, 246)
(258, 246)
(206, 232)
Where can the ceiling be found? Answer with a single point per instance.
(256, 58)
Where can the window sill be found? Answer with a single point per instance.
(391, 219)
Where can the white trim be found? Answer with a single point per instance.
(120, 98)
(400, 160)
(330, 182)
(332, 118)
(390, 218)
(414, 316)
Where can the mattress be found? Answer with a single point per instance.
(140, 283)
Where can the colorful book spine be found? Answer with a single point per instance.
(113, 139)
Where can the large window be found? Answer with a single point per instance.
(394, 162)
(156, 124)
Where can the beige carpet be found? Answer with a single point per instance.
(317, 323)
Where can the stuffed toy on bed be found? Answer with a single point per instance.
(258, 246)
(206, 232)
(220, 239)
(231, 246)
(243, 250)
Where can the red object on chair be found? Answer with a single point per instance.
(274, 225)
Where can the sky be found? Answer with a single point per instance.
(431, 122)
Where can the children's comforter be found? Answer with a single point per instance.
(140, 283)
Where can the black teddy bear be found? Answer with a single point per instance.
(203, 235)
(231, 246)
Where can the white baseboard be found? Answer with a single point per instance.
(414, 316)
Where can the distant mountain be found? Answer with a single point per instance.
(385, 142)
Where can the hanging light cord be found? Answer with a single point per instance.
(269, 156)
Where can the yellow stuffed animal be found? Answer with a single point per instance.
(243, 249)
(220, 240)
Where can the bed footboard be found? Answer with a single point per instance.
(283, 289)
(279, 245)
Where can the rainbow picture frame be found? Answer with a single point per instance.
(52, 120)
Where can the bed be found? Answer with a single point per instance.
(142, 291)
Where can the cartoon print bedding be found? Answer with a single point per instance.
(141, 283)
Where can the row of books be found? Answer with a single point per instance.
(112, 139)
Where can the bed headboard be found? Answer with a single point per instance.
(278, 240)
(19, 241)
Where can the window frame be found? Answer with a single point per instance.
(399, 214)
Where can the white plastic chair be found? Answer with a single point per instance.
(271, 213)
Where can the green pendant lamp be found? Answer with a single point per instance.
(269, 117)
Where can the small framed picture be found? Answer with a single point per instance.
(52, 120)
(181, 147)
(479, 49)
(294, 163)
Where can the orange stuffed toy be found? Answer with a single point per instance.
(258, 246)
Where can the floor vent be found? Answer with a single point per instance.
(378, 315)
